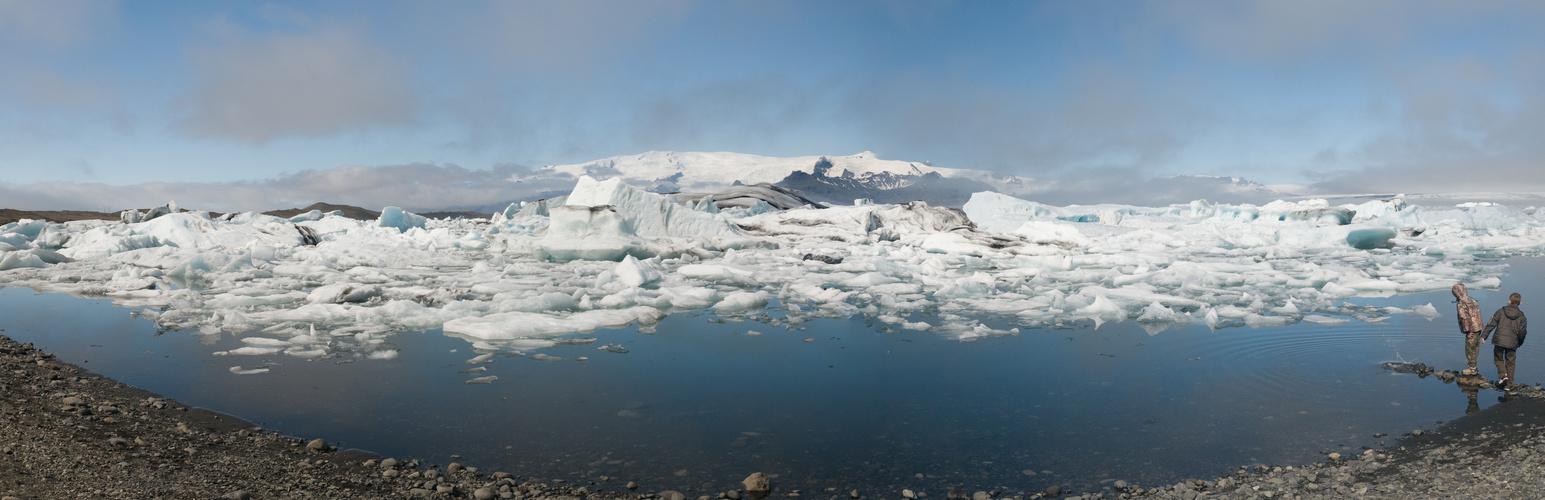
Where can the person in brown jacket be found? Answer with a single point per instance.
(1469, 324)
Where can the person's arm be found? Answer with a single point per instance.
(1491, 325)
(1523, 329)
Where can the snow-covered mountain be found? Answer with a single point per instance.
(838, 180)
(832, 179)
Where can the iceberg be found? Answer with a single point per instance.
(608, 255)
(400, 219)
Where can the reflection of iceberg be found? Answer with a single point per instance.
(609, 255)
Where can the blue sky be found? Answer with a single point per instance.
(107, 103)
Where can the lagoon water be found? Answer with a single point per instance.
(835, 405)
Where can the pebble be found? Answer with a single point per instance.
(909, 494)
(118, 442)
(955, 494)
(454, 467)
(671, 495)
(445, 489)
(317, 445)
(632, 485)
(1334, 456)
(981, 495)
(73, 401)
(1053, 490)
(390, 463)
(757, 483)
(483, 493)
(237, 495)
(1120, 485)
(853, 494)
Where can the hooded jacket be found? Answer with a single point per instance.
(1510, 325)
(1469, 311)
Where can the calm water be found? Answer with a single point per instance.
(699, 405)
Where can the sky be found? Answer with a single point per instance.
(251, 106)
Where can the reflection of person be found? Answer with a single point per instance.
(1469, 324)
(1470, 384)
(1510, 326)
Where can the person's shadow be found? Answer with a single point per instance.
(1471, 386)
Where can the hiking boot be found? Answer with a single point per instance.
(1502, 383)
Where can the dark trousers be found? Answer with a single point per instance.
(1505, 359)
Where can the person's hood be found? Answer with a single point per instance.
(1459, 291)
(1512, 312)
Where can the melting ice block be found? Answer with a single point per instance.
(607, 220)
(400, 219)
(525, 325)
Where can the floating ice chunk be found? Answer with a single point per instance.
(386, 354)
(1325, 320)
(706, 204)
(1259, 320)
(741, 301)
(1425, 311)
(253, 371)
(1052, 233)
(482, 359)
(718, 273)
(518, 325)
(265, 341)
(950, 243)
(254, 351)
(544, 357)
(590, 233)
(305, 353)
(1370, 237)
(651, 215)
(635, 273)
(483, 380)
(400, 219)
(340, 293)
(309, 216)
(867, 280)
(1101, 310)
(20, 259)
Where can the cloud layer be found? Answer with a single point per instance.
(418, 186)
(1374, 96)
(260, 88)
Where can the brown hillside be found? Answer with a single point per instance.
(9, 215)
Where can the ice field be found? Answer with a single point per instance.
(607, 255)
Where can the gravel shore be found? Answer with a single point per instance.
(69, 433)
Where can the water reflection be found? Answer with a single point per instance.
(1470, 385)
(841, 404)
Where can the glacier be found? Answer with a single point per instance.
(320, 285)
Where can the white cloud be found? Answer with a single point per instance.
(418, 186)
(257, 88)
(53, 24)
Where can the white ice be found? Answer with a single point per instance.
(608, 255)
